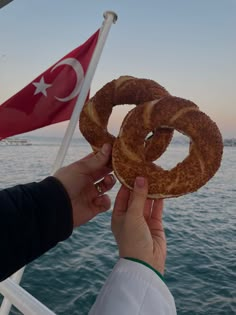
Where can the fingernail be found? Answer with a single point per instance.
(140, 182)
(106, 148)
(113, 179)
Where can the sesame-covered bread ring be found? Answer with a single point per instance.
(206, 147)
(124, 90)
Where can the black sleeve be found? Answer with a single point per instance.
(33, 219)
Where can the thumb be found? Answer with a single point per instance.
(139, 196)
(99, 159)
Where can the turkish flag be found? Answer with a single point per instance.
(51, 97)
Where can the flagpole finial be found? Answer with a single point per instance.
(115, 16)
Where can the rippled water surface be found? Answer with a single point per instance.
(200, 228)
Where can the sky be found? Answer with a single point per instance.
(187, 46)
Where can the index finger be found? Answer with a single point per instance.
(121, 202)
(98, 174)
(157, 209)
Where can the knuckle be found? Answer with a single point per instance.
(99, 157)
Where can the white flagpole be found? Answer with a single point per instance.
(109, 18)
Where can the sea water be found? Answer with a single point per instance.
(200, 229)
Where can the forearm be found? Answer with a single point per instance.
(34, 218)
(133, 288)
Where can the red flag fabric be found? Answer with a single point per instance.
(51, 97)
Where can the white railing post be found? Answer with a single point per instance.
(6, 304)
(22, 300)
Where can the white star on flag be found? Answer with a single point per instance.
(41, 87)
(41, 103)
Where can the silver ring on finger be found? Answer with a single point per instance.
(99, 188)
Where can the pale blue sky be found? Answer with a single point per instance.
(187, 46)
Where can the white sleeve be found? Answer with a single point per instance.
(131, 289)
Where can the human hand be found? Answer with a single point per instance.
(137, 225)
(79, 178)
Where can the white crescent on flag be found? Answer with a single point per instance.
(75, 64)
(42, 102)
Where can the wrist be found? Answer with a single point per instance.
(160, 274)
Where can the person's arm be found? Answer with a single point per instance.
(136, 284)
(133, 288)
(35, 217)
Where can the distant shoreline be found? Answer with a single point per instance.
(228, 142)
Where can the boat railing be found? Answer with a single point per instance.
(21, 299)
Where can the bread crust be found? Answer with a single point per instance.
(95, 114)
(205, 154)
(146, 132)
